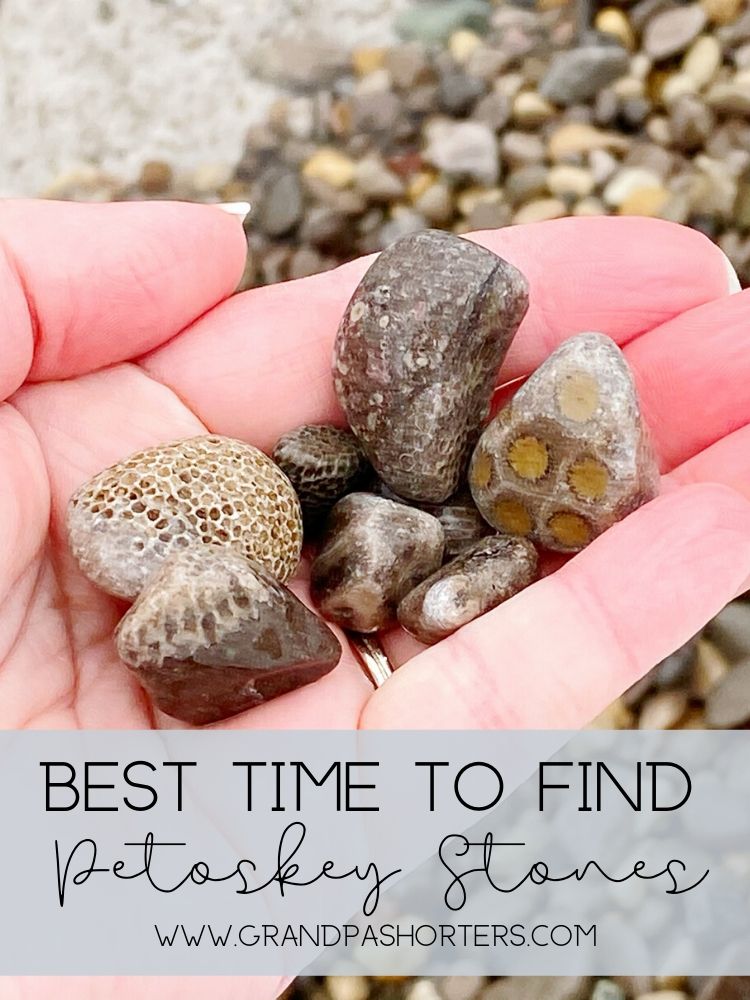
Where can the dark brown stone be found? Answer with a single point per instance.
(373, 553)
(462, 523)
(417, 354)
(484, 576)
(322, 463)
(569, 455)
(213, 634)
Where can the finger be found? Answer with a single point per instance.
(558, 653)
(727, 461)
(83, 286)
(24, 497)
(693, 377)
(260, 364)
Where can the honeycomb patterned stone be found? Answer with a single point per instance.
(417, 355)
(462, 523)
(374, 551)
(213, 634)
(485, 575)
(569, 455)
(323, 463)
(213, 490)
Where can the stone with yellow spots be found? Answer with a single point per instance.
(569, 455)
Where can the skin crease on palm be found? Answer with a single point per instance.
(118, 332)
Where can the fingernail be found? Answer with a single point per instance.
(240, 209)
(734, 281)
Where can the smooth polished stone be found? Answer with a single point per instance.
(481, 578)
(323, 463)
(462, 523)
(213, 634)
(374, 551)
(569, 455)
(125, 521)
(417, 355)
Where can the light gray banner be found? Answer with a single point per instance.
(398, 853)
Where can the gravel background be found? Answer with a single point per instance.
(116, 82)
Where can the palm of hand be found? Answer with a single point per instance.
(258, 364)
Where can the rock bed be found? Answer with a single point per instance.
(486, 115)
(522, 988)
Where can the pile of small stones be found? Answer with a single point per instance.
(488, 114)
(522, 988)
(428, 515)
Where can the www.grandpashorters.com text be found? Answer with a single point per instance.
(448, 936)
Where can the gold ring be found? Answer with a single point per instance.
(372, 658)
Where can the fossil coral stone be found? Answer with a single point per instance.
(569, 455)
(462, 523)
(125, 521)
(323, 463)
(485, 575)
(374, 551)
(417, 354)
(213, 634)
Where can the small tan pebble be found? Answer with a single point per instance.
(470, 197)
(628, 180)
(530, 109)
(156, 177)
(368, 59)
(628, 87)
(423, 989)
(569, 181)
(676, 86)
(728, 703)
(436, 204)
(374, 180)
(589, 206)
(213, 634)
(210, 177)
(519, 148)
(577, 137)
(204, 490)
(615, 716)
(420, 183)
(658, 130)
(331, 166)
(348, 987)
(663, 710)
(462, 44)
(613, 21)
(646, 201)
(541, 210)
(709, 669)
(702, 60)
(664, 995)
(671, 31)
(731, 97)
(722, 11)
